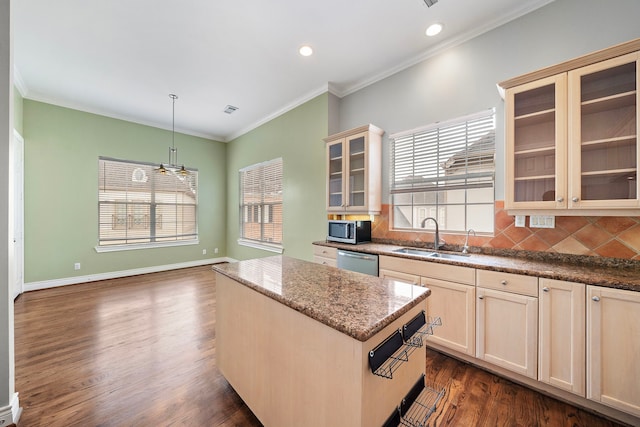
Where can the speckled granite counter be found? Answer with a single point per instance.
(352, 303)
(588, 270)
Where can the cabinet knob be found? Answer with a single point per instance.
(545, 289)
(480, 296)
(560, 199)
(575, 199)
(596, 299)
(503, 282)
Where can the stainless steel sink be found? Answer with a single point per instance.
(414, 251)
(430, 254)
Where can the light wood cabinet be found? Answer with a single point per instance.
(325, 255)
(572, 139)
(354, 171)
(613, 346)
(603, 117)
(561, 357)
(506, 326)
(452, 298)
(455, 304)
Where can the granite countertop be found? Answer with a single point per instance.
(355, 304)
(608, 272)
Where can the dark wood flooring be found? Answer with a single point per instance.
(140, 351)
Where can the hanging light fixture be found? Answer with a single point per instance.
(173, 151)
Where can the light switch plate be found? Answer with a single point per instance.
(542, 221)
(520, 219)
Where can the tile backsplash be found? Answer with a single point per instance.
(614, 237)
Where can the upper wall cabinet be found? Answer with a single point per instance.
(354, 171)
(572, 136)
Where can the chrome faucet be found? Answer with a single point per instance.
(465, 248)
(436, 240)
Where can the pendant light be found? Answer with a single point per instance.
(173, 151)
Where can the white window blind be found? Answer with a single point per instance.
(139, 206)
(261, 202)
(443, 169)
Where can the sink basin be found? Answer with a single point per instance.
(414, 251)
(430, 254)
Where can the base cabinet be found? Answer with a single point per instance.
(507, 330)
(561, 358)
(456, 304)
(613, 346)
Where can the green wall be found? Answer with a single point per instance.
(296, 136)
(61, 197)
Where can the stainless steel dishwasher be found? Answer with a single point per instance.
(358, 261)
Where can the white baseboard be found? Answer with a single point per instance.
(11, 414)
(45, 284)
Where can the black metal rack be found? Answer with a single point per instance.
(385, 358)
(416, 407)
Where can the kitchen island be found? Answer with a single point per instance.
(293, 339)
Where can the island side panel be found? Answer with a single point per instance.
(382, 395)
(288, 368)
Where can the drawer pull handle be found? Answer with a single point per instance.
(480, 296)
(545, 289)
(596, 299)
(503, 282)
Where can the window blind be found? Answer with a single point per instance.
(261, 202)
(456, 154)
(138, 205)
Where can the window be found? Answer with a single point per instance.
(445, 171)
(261, 205)
(140, 207)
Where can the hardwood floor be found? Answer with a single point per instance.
(140, 351)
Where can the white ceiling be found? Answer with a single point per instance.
(122, 58)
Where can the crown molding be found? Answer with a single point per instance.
(288, 107)
(33, 96)
(18, 82)
(439, 48)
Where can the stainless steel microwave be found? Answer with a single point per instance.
(353, 232)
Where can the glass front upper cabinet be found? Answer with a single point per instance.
(603, 131)
(354, 171)
(536, 144)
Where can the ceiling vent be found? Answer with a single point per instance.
(230, 109)
(430, 3)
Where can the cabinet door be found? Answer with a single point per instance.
(562, 335)
(603, 134)
(455, 305)
(613, 346)
(536, 144)
(356, 176)
(335, 176)
(507, 330)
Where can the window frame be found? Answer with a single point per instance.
(152, 203)
(426, 175)
(261, 212)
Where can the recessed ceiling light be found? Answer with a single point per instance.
(306, 50)
(433, 30)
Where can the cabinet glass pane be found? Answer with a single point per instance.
(335, 175)
(534, 144)
(608, 134)
(356, 172)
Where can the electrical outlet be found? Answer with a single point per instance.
(215, 251)
(76, 266)
(204, 252)
(542, 221)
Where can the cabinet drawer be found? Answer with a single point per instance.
(325, 261)
(325, 251)
(508, 282)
